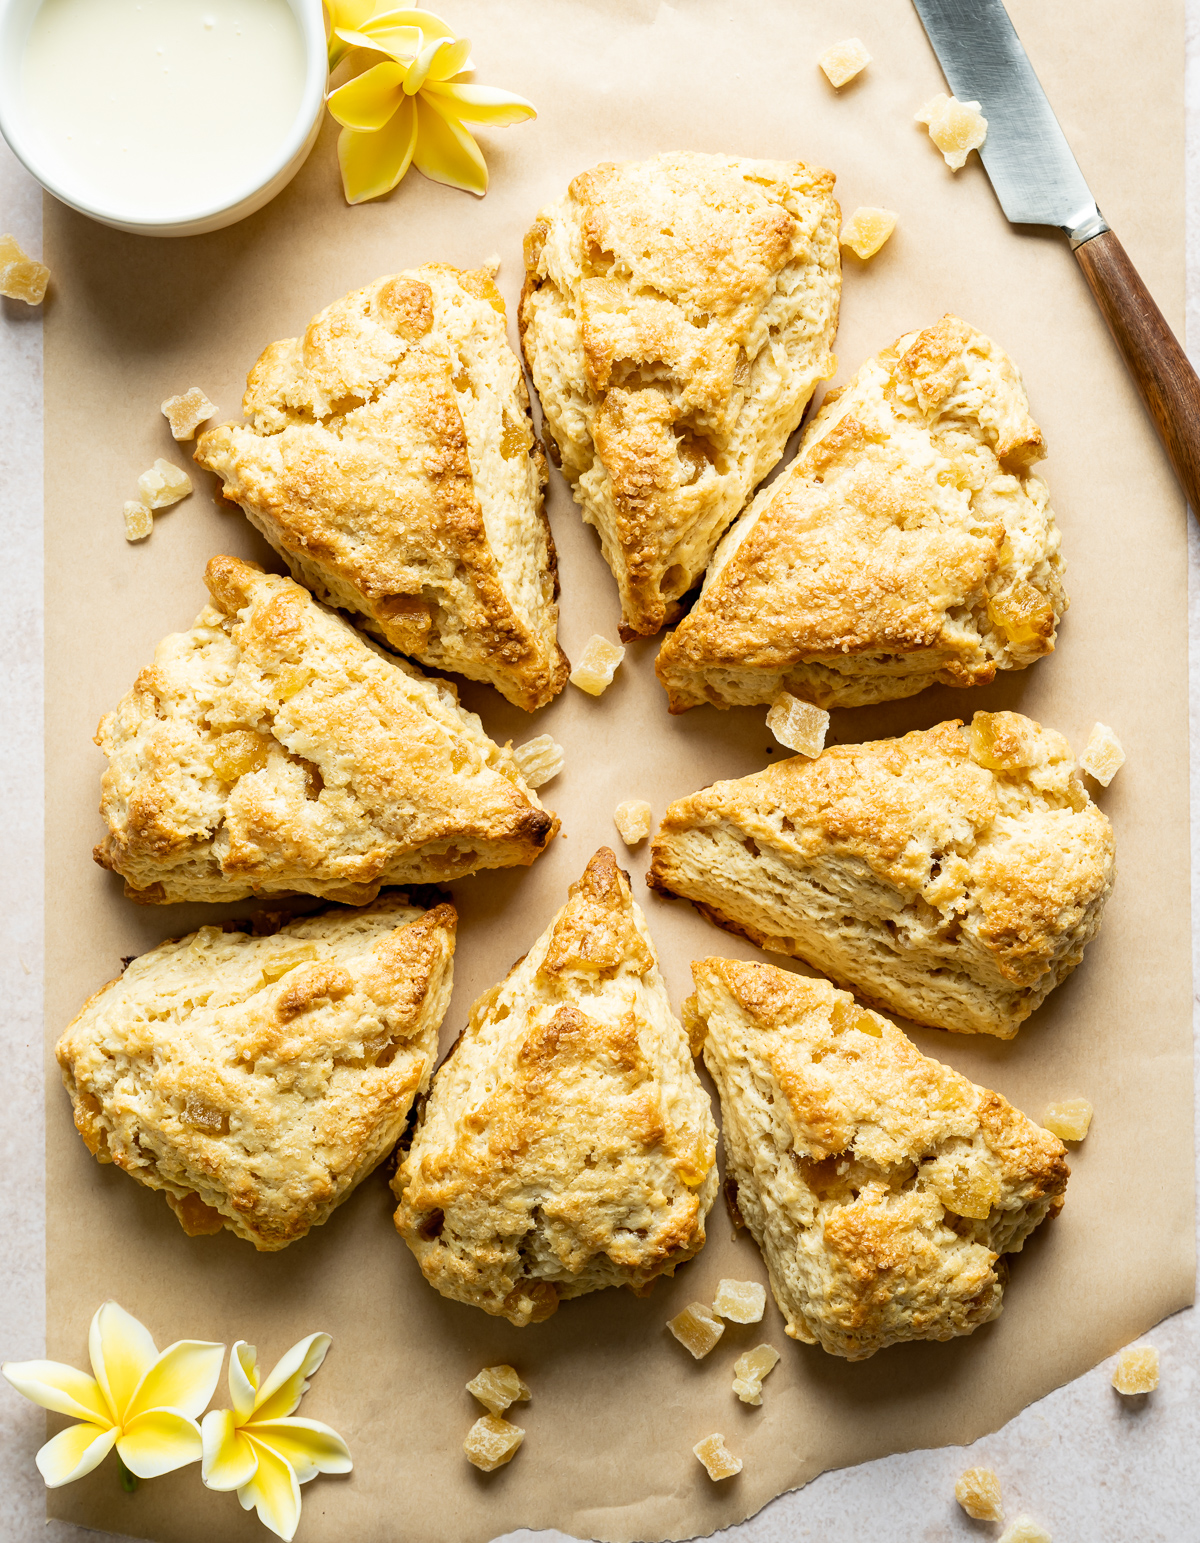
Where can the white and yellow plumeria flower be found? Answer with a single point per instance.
(257, 1450)
(412, 108)
(143, 1403)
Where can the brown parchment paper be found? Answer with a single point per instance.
(617, 1404)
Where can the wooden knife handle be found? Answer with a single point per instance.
(1168, 385)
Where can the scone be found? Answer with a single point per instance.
(567, 1143)
(881, 1186)
(677, 315)
(271, 750)
(953, 876)
(390, 460)
(256, 1080)
(908, 544)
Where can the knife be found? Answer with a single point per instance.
(1038, 182)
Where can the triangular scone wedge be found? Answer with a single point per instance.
(909, 544)
(953, 876)
(256, 1080)
(567, 1143)
(677, 315)
(882, 1187)
(272, 750)
(391, 461)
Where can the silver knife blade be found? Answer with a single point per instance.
(1026, 154)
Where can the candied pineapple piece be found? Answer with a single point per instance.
(1002, 741)
(539, 759)
(21, 276)
(798, 725)
(844, 61)
(1022, 613)
(696, 1329)
(496, 1387)
(240, 753)
(632, 819)
(1069, 1119)
(1025, 1530)
(1104, 757)
(1136, 1370)
(978, 1492)
(955, 127)
(741, 1301)
(139, 522)
(186, 412)
(849, 1015)
(596, 668)
(749, 1371)
(491, 1442)
(163, 485)
(966, 1184)
(717, 1457)
(866, 230)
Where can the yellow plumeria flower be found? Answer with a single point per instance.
(257, 1450)
(143, 1403)
(413, 107)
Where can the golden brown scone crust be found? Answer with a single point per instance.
(881, 1186)
(567, 1143)
(257, 1080)
(677, 315)
(953, 892)
(272, 750)
(390, 459)
(886, 557)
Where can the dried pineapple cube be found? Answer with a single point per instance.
(21, 276)
(139, 522)
(496, 1387)
(187, 412)
(1069, 1119)
(978, 1492)
(1022, 613)
(866, 230)
(955, 127)
(696, 1329)
(741, 1301)
(596, 668)
(1104, 757)
(844, 61)
(492, 1441)
(798, 725)
(1002, 741)
(539, 759)
(1136, 1370)
(716, 1457)
(966, 1184)
(1025, 1530)
(749, 1371)
(163, 485)
(632, 819)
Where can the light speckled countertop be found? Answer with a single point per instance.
(1090, 1466)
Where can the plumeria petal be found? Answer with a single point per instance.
(159, 1441)
(243, 1379)
(370, 99)
(307, 1445)
(230, 1460)
(287, 1384)
(74, 1452)
(345, 14)
(480, 104)
(372, 164)
(453, 60)
(122, 1352)
(274, 1492)
(407, 16)
(61, 1388)
(184, 1378)
(418, 71)
(445, 150)
(403, 43)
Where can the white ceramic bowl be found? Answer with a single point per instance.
(16, 19)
